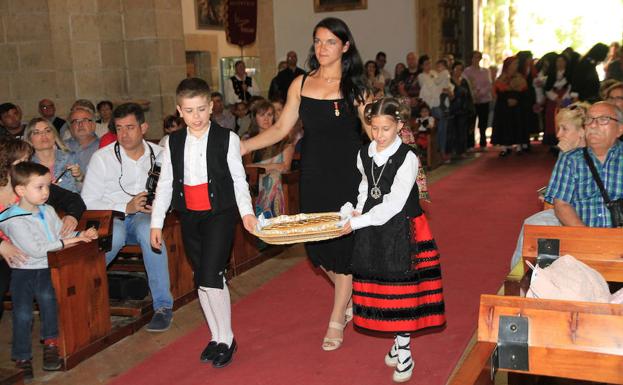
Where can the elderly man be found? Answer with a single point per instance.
(116, 180)
(83, 141)
(614, 94)
(47, 110)
(408, 85)
(279, 88)
(11, 120)
(572, 188)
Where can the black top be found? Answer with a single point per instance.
(237, 85)
(329, 175)
(281, 83)
(220, 182)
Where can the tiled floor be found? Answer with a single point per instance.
(128, 352)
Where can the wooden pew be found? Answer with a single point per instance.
(576, 340)
(79, 279)
(599, 248)
(11, 376)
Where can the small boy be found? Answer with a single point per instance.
(35, 228)
(203, 179)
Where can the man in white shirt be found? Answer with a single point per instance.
(116, 180)
(240, 87)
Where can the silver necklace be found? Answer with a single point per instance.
(375, 191)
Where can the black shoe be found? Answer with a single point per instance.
(504, 153)
(26, 367)
(209, 353)
(51, 359)
(224, 354)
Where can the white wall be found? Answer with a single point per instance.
(387, 25)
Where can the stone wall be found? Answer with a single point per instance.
(94, 49)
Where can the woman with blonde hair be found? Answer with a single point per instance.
(570, 133)
(50, 151)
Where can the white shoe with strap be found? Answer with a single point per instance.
(333, 343)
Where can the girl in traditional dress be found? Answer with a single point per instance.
(396, 274)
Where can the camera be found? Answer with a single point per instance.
(152, 183)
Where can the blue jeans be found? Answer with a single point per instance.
(27, 285)
(135, 229)
(542, 218)
(442, 128)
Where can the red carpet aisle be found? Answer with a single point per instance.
(476, 216)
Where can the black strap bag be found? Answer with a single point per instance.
(615, 207)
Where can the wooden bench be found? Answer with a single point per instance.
(599, 248)
(79, 279)
(576, 340)
(11, 376)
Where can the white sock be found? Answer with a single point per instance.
(207, 312)
(403, 340)
(220, 303)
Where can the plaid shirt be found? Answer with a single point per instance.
(572, 182)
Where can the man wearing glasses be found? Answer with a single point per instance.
(47, 109)
(576, 196)
(116, 180)
(614, 94)
(83, 140)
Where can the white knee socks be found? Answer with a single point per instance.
(217, 303)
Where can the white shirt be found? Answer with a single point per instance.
(395, 200)
(230, 94)
(431, 86)
(196, 173)
(102, 189)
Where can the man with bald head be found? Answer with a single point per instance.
(281, 82)
(408, 85)
(47, 110)
(576, 196)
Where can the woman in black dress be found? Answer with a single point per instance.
(330, 101)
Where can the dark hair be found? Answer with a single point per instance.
(420, 63)
(126, 109)
(442, 61)
(381, 53)
(376, 68)
(259, 107)
(352, 85)
(170, 120)
(400, 112)
(11, 149)
(216, 95)
(597, 53)
(6, 107)
(104, 103)
(23, 171)
(191, 87)
(457, 63)
(551, 70)
(238, 62)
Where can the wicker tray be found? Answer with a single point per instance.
(287, 229)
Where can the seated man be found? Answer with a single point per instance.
(83, 141)
(115, 180)
(47, 110)
(11, 120)
(572, 188)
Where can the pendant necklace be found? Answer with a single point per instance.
(375, 191)
(336, 109)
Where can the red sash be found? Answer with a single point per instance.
(197, 197)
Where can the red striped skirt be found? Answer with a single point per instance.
(404, 305)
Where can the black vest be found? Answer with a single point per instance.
(220, 182)
(237, 84)
(412, 208)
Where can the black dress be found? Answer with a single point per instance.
(329, 175)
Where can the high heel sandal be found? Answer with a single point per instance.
(348, 315)
(329, 344)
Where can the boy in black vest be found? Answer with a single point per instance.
(203, 179)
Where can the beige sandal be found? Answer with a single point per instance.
(348, 314)
(329, 344)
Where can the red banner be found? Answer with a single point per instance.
(241, 22)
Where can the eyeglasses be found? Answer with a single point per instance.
(601, 120)
(77, 122)
(46, 106)
(613, 98)
(45, 131)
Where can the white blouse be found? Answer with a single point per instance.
(394, 201)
